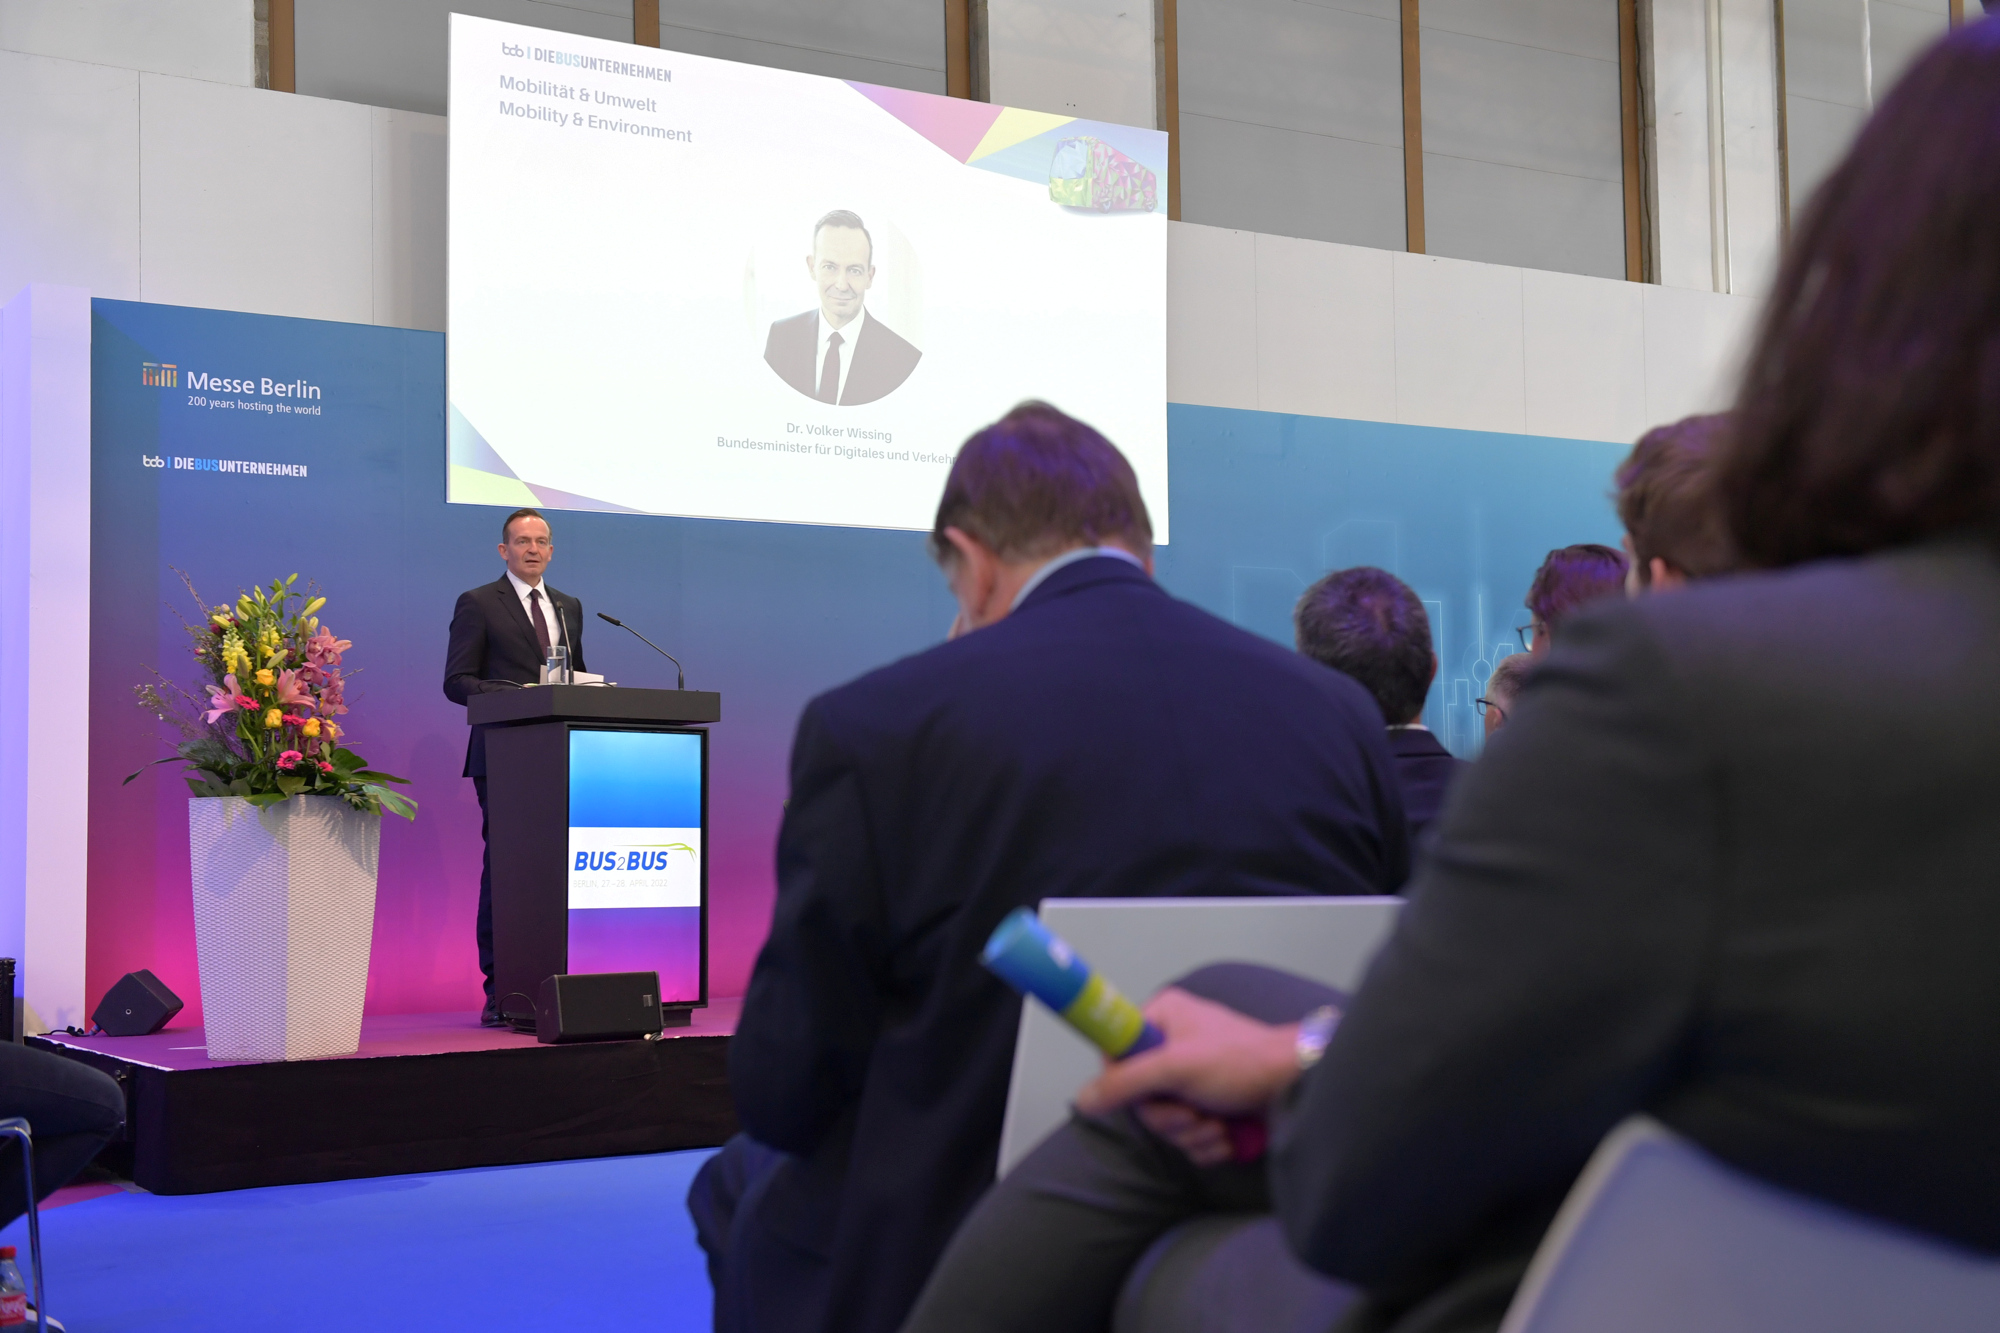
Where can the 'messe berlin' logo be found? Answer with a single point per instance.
(166, 375)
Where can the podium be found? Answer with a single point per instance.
(597, 823)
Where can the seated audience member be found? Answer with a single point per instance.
(71, 1109)
(1673, 522)
(1085, 734)
(1369, 624)
(1502, 688)
(1675, 889)
(1570, 577)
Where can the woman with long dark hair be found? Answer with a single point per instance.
(1734, 861)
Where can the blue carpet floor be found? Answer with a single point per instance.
(600, 1245)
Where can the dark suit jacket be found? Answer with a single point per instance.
(1425, 771)
(1733, 863)
(882, 360)
(493, 639)
(1104, 740)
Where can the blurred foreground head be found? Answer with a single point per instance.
(1870, 412)
(1037, 483)
(1674, 528)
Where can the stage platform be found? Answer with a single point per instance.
(426, 1092)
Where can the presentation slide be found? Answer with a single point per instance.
(636, 810)
(687, 286)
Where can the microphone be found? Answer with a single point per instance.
(680, 677)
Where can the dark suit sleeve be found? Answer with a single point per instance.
(465, 657)
(809, 1023)
(1538, 988)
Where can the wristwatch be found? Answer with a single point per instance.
(1315, 1030)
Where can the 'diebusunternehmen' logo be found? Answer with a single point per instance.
(159, 375)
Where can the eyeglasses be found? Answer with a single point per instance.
(1483, 704)
(1526, 634)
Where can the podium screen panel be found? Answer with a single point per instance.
(637, 879)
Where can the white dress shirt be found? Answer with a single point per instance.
(1069, 558)
(848, 337)
(558, 632)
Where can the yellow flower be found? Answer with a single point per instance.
(274, 719)
(267, 678)
(311, 728)
(332, 730)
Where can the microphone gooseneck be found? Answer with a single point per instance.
(680, 676)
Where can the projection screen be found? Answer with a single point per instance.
(686, 286)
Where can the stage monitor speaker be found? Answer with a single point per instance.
(598, 1006)
(138, 1005)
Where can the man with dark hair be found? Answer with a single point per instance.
(1369, 624)
(501, 633)
(1673, 524)
(1568, 578)
(838, 352)
(1083, 734)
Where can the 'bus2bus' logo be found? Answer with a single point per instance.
(633, 859)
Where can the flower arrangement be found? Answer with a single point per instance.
(263, 727)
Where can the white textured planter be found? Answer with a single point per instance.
(284, 911)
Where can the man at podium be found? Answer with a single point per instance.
(501, 634)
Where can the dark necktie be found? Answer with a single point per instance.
(541, 623)
(829, 372)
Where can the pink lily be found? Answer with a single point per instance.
(322, 649)
(292, 694)
(227, 698)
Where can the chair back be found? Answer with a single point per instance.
(1659, 1237)
(1140, 944)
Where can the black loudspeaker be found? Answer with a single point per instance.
(138, 1005)
(598, 1006)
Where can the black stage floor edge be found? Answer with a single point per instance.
(426, 1093)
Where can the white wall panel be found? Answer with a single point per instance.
(1584, 354)
(1459, 345)
(214, 40)
(1676, 117)
(1211, 316)
(1089, 58)
(1279, 324)
(69, 176)
(1750, 143)
(44, 635)
(1326, 318)
(408, 219)
(1695, 345)
(254, 200)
